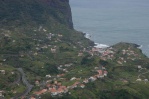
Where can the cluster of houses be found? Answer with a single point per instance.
(139, 70)
(131, 55)
(129, 52)
(104, 53)
(108, 54)
(64, 67)
(53, 89)
(57, 88)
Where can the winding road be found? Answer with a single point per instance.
(25, 82)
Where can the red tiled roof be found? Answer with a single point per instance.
(105, 72)
(53, 90)
(41, 92)
(99, 71)
(82, 85)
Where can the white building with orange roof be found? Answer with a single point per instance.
(82, 85)
(40, 92)
(92, 78)
(60, 75)
(53, 92)
(32, 97)
(100, 72)
(105, 73)
(85, 81)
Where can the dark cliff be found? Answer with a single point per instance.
(37, 11)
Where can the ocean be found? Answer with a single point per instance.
(112, 21)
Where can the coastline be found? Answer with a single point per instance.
(104, 46)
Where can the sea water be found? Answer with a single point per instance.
(112, 21)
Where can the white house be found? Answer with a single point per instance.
(2, 71)
(48, 76)
(73, 78)
(139, 67)
(139, 79)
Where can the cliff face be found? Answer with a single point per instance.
(39, 11)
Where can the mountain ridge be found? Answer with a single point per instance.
(36, 10)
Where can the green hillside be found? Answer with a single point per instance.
(42, 56)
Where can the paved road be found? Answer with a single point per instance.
(25, 82)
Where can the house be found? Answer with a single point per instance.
(37, 83)
(68, 65)
(1, 94)
(146, 80)
(139, 67)
(80, 54)
(44, 47)
(12, 73)
(101, 76)
(82, 85)
(55, 82)
(73, 78)
(139, 79)
(4, 60)
(119, 62)
(32, 97)
(48, 81)
(125, 81)
(92, 78)
(2, 71)
(65, 70)
(44, 30)
(40, 92)
(53, 50)
(60, 90)
(65, 89)
(48, 76)
(96, 67)
(48, 85)
(105, 73)
(85, 81)
(95, 49)
(59, 84)
(99, 72)
(60, 75)
(53, 92)
(59, 35)
(74, 85)
(103, 67)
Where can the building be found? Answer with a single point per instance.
(82, 85)
(3, 71)
(40, 92)
(48, 76)
(105, 73)
(85, 81)
(53, 50)
(53, 92)
(73, 78)
(139, 79)
(100, 72)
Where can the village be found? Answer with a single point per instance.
(58, 89)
